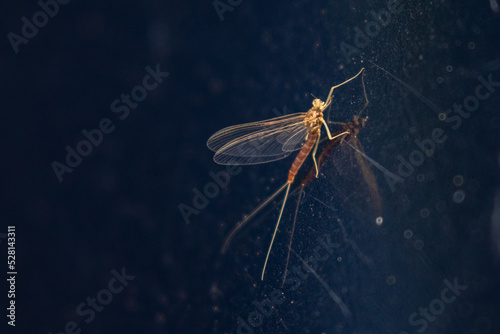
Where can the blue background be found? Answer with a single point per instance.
(120, 207)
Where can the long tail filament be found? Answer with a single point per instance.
(288, 184)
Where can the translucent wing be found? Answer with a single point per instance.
(367, 174)
(296, 140)
(257, 142)
(235, 132)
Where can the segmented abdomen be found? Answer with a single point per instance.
(304, 152)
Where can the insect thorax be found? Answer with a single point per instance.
(313, 117)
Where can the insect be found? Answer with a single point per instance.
(353, 127)
(274, 139)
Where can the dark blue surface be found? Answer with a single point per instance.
(119, 208)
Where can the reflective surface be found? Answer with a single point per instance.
(120, 211)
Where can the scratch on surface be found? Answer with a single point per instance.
(333, 295)
(283, 323)
(425, 100)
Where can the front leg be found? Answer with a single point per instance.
(328, 131)
(314, 153)
(330, 96)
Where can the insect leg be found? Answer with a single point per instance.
(328, 131)
(329, 98)
(314, 155)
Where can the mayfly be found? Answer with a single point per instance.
(352, 128)
(271, 140)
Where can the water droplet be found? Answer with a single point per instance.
(459, 196)
(424, 213)
(419, 244)
(439, 80)
(420, 178)
(390, 280)
(408, 234)
(472, 45)
(458, 180)
(339, 259)
(442, 116)
(379, 221)
(449, 68)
